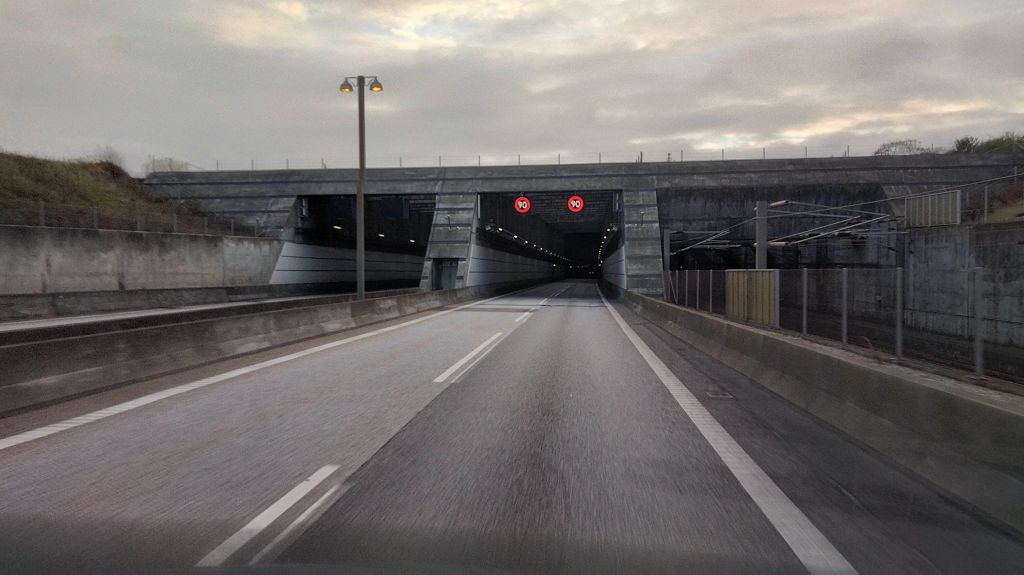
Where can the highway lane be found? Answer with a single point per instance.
(562, 453)
(523, 434)
(163, 484)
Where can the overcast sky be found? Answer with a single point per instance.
(234, 81)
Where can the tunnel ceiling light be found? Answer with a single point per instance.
(336, 227)
(500, 230)
(515, 237)
(380, 235)
(412, 241)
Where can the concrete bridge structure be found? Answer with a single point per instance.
(620, 229)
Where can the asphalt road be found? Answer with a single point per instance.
(523, 434)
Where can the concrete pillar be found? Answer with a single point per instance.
(642, 241)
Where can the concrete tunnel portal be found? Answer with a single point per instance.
(558, 235)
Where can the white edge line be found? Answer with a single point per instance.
(811, 547)
(254, 527)
(461, 362)
(47, 430)
(298, 526)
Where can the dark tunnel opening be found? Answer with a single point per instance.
(571, 229)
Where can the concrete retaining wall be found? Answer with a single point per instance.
(54, 260)
(55, 364)
(967, 441)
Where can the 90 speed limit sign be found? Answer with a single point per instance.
(522, 204)
(575, 204)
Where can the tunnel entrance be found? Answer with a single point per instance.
(572, 230)
(322, 246)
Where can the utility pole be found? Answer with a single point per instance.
(761, 235)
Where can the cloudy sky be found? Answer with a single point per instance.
(235, 81)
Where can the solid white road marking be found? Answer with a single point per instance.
(478, 358)
(226, 549)
(297, 527)
(813, 549)
(47, 430)
(461, 362)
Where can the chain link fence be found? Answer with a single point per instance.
(139, 217)
(969, 319)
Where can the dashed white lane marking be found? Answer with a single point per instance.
(74, 422)
(297, 527)
(441, 378)
(525, 315)
(228, 548)
(811, 547)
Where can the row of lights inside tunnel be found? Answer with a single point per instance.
(337, 227)
(604, 239)
(526, 242)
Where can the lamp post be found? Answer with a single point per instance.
(375, 86)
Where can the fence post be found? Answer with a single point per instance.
(899, 313)
(697, 305)
(711, 291)
(979, 345)
(845, 277)
(686, 287)
(984, 218)
(776, 320)
(803, 284)
(174, 222)
(96, 217)
(42, 213)
(232, 226)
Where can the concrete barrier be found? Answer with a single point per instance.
(15, 307)
(50, 364)
(967, 441)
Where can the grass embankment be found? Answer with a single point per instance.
(26, 179)
(84, 193)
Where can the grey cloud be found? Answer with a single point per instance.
(164, 79)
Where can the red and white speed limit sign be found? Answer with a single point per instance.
(522, 204)
(575, 204)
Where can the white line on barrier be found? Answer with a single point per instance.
(811, 547)
(441, 378)
(74, 422)
(254, 527)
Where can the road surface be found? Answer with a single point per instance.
(539, 432)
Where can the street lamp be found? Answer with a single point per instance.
(375, 86)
